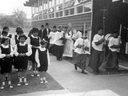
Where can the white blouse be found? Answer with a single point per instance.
(37, 56)
(85, 43)
(3, 55)
(52, 37)
(96, 38)
(58, 35)
(114, 41)
(29, 49)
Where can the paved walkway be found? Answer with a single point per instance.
(77, 84)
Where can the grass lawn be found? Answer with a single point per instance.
(34, 85)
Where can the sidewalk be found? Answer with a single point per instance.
(77, 84)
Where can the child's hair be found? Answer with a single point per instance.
(42, 25)
(54, 26)
(46, 24)
(35, 30)
(43, 42)
(3, 40)
(100, 28)
(4, 32)
(5, 27)
(19, 30)
(22, 36)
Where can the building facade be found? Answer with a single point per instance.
(91, 14)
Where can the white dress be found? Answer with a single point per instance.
(68, 48)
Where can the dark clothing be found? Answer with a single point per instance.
(6, 62)
(96, 60)
(16, 39)
(45, 34)
(34, 42)
(81, 60)
(112, 61)
(52, 49)
(43, 61)
(59, 51)
(41, 34)
(22, 61)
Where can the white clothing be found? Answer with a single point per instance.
(85, 43)
(3, 55)
(58, 35)
(68, 48)
(29, 49)
(12, 41)
(113, 41)
(52, 37)
(37, 56)
(96, 38)
(77, 35)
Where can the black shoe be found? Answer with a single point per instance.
(75, 66)
(83, 72)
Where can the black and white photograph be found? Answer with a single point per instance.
(63, 47)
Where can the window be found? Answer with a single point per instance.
(71, 11)
(79, 9)
(66, 12)
(57, 14)
(61, 13)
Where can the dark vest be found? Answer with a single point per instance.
(5, 50)
(34, 41)
(22, 49)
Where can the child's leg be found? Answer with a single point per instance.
(9, 80)
(24, 76)
(29, 65)
(19, 77)
(43, 77)
(3, 81)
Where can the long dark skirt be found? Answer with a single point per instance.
(96, 60)
(52, 49)
(6, 65)
(59, 51)
(112, 61)
(21, 62)
(81, 60)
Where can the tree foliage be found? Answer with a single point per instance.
(16, 19)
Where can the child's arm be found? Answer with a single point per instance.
(12, 51)
(29, 51)
(37, 58)
(15, 51)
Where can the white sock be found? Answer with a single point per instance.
(25, 80)
(9, 82)
(3, 83)
(20, 79)
(44, 78)
(41, 79)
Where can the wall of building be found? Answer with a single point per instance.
(76, 21)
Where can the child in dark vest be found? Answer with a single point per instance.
(42, 59)
(22, 50)
(34, 42)
(6, 52)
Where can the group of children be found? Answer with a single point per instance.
(17, 51)
(61, 41)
